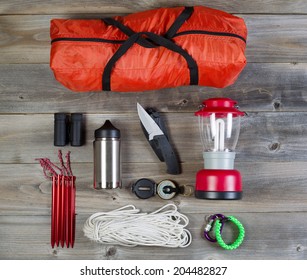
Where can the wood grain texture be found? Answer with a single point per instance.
(264, 137)
(276, 38)
(31, 88)
(122, 6)
(261, 240)
(25, 38)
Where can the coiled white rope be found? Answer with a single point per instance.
(127, 226)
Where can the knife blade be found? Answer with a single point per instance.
(149, 124)
(155, 133)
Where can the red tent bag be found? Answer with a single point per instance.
(149, 50)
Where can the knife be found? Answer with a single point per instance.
(157, 136)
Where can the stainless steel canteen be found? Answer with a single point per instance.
(107, 166)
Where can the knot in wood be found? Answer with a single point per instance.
(274, 147)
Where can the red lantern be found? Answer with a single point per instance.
(219, 125)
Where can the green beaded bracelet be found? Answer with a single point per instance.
(218, 236)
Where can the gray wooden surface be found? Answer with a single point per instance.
(272, 149)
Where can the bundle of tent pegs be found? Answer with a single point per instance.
(63, 200)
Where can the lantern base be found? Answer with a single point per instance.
(218, 195)
(218, 184)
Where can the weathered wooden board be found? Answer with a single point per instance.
(280, 39)
(122, 6)
(286, 240)
(267, 187)
(25, 38)
(31, 88)
(264, 137)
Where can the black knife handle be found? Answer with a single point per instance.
(161, 143)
